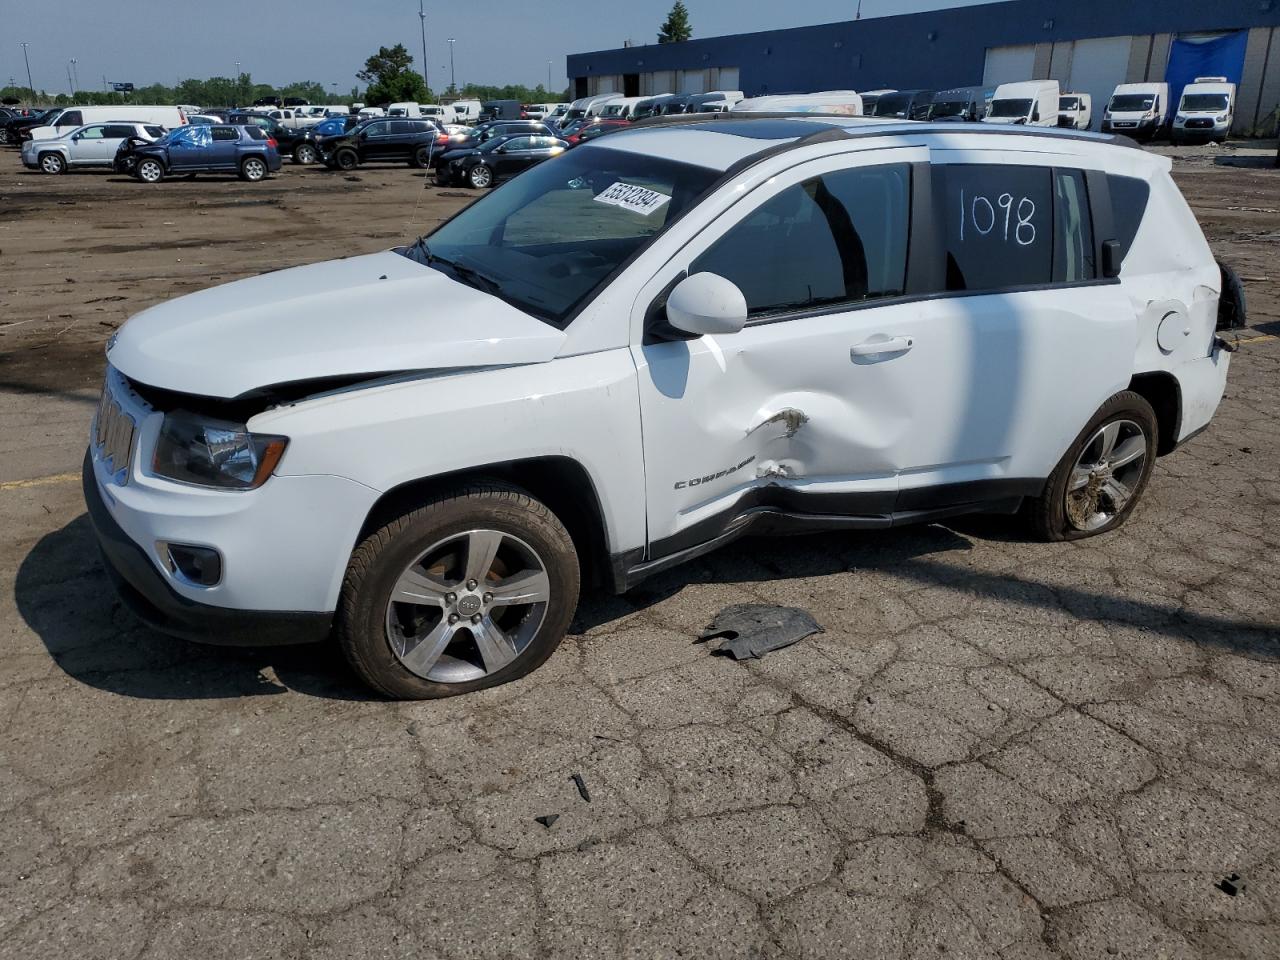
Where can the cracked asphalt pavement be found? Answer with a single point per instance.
(996, 749)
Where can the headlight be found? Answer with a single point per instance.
(214, 453)
(1222, 119)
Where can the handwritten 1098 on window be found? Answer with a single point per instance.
(999, 226)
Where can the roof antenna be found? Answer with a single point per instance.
(858, 15)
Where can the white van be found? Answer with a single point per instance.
(622, 109)
(372, 112)
(715, 101)
(1031, 102)
(631, 416)
(579, 108)
(1206, 110)
(66, 120)
(836, 103)
(465, 110)
(1075, 111)
(408, 109)
(337, 111)
(1138, 110)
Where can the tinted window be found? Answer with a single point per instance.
(151, 131)
(1128, 204)
(379, 129)
(118, 131)
(518, 143)
(225, 133)
(999, 226)
(71, 118)
(256, 133)
(1073, 257)
(841, 237)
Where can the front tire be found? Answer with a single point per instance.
(1102, 476)
(472, 589)
(346, 160)
(149, 171)
(52, 163)
(253, 169)
(480, 177)
(304, 154)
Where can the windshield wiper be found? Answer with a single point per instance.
(469, 275)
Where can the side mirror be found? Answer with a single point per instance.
(1111, 259)
(706, 303)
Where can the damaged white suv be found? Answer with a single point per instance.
(637, 351)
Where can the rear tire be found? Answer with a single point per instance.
(52, 163)
(388, 642)
(304, 154)
(421, 158)
(253, 169)
(1100, 479)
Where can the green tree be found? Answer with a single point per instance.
(391, 77)
(676, 29)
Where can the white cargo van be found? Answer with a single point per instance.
(66, 120)
(841, 103)
(1138, 110)
(622, 109)
(465, 110)
(1205, 111)
(579, 108)
(1075, 111)
(408, 109)
(1032, 102)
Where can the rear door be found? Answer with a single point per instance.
(223, 153)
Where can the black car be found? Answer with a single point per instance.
(498, 159)
(287, 139)
(384, 140)
(305, 149)
(485, 132)
(11, 129)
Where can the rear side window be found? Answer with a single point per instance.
(256, 133)
(999, 226)
(838, 238)
(226, 133)
(118, 131)
(1128, 204)
(1073, 250)
(151, 131)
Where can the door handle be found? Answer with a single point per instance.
(872, 348)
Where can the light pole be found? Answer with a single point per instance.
(71, 83)
(30, 86)
(549, 62)
(453, 80)
(422, 19)
(75, 74)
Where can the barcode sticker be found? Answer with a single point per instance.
(630, 197)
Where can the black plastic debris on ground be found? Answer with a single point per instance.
(754, 629)
(582, 786)
(1232, 885)
(547, 819)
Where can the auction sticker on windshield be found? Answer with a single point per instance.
(630, 197)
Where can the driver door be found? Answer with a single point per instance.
(93, 147)
(188, 150)
(811, 407)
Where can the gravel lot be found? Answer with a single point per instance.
(997, 748)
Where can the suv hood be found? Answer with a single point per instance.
(374, 315)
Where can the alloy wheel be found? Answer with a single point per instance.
(468, 606)
(254, 169)
(51, 163)
(1106, 474)
(149, 170)
(306, 154)
(481, 177)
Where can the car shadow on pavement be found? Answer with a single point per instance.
(63, 594)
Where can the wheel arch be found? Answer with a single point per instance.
(1162, 391)
(560, 482)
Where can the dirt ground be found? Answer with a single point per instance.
(997, 749)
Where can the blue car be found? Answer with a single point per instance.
(216, 148)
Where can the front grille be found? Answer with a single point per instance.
(113, 431)
(1199, 124)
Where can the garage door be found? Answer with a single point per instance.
(1097, 68)
(1009, 64)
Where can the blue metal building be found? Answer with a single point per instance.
(1088, 46)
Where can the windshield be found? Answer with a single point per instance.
(1205, 101)
(949, 108)
(549, 238)
(892, 105)
(1068, 103)
(1132, 103)
(1010, 108)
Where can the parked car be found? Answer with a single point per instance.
(305, 149)
(1205, 111)
(500, 110)
(498, 159)
(384, 140)
(1075, 111)
(594, 128)
(465, 111)
(63, 121)
(93, 145)
(1138, 110)
(12, 128)
(828, 102)
(626, 397)
(288, 139)
(287, 117)
(244, 150)
(871, 97)
(498, 128)
(904, 104)
(579, 108)
(1030, 102)
(204, 119)
(960, 105)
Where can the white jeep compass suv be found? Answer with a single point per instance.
(639, 350)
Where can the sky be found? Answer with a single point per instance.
(496, 41)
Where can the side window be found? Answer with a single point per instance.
(518, 143)
(840, 237)
(226, 133)
(71, 118)
(118, 131)
(1073, 257)
(92, 133)
(256, 133)
(999, 226)
(380, 129)
(151, 131)
(1128, 204)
